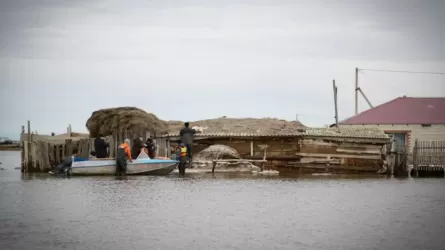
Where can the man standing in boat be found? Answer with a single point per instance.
(122, 154)
(150, 148)
(100, 147)
(187, 134)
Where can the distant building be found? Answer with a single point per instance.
(406, 119)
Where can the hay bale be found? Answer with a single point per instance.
(106, 121)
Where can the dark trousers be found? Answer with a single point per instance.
(189, 151)
(181, 165)
(121, 166)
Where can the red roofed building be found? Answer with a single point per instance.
(407, 119)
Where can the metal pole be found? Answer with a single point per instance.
(356, 89)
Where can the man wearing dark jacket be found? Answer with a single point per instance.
(150, 148)
(187, 134)
(100, 147)
(136, 148)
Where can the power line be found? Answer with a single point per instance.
(405, 71)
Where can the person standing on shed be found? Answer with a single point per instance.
(122, 154)
(187, 134)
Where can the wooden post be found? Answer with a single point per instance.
(335, 103)
(167, 149)
(22, 145)
(69, 130)
(251, 147)
(214, 165)
(415, 155)
(328, 159)
(356, 91)
(169, 152)
(396, 164)
(29, 139)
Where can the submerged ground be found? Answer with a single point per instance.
(218, 212)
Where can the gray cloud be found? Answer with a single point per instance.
(239, 58)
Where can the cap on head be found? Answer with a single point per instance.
(182, 145)
(127, 140)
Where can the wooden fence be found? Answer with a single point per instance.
(428, 159)
(429, 153)
(41, 153)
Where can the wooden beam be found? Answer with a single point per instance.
(239, 160)
(341, 150)
(274, 158)
(320, 155)
(335, 167)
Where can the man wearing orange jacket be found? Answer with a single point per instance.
(122, 154)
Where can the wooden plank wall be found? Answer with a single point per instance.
(162, 149)
(357, 154)
(41, 154)
(429, 153)
(276, 147)
(364, 155)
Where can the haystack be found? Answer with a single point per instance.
(133, 120)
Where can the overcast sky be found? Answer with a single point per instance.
(202, 59)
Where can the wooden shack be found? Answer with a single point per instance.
(305, 150)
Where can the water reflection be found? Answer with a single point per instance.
(220, 211)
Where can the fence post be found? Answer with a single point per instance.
(29, 139)
(415, 157)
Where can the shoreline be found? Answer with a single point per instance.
(10, 147)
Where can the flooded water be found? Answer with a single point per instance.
(218, 212)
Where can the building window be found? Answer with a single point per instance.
(426, 125)
(398, 142)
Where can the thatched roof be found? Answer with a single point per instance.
(240, 125)
(105, 121)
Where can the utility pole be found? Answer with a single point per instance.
(335, 103)
(366, 98)
(356, 91)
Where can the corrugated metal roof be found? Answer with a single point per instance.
(403, 110)
(366, 133)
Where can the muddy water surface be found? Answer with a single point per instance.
(218, 212)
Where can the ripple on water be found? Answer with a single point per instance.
(220, 212)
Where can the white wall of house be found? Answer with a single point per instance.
(435, 132)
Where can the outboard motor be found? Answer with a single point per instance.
(64, 168)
